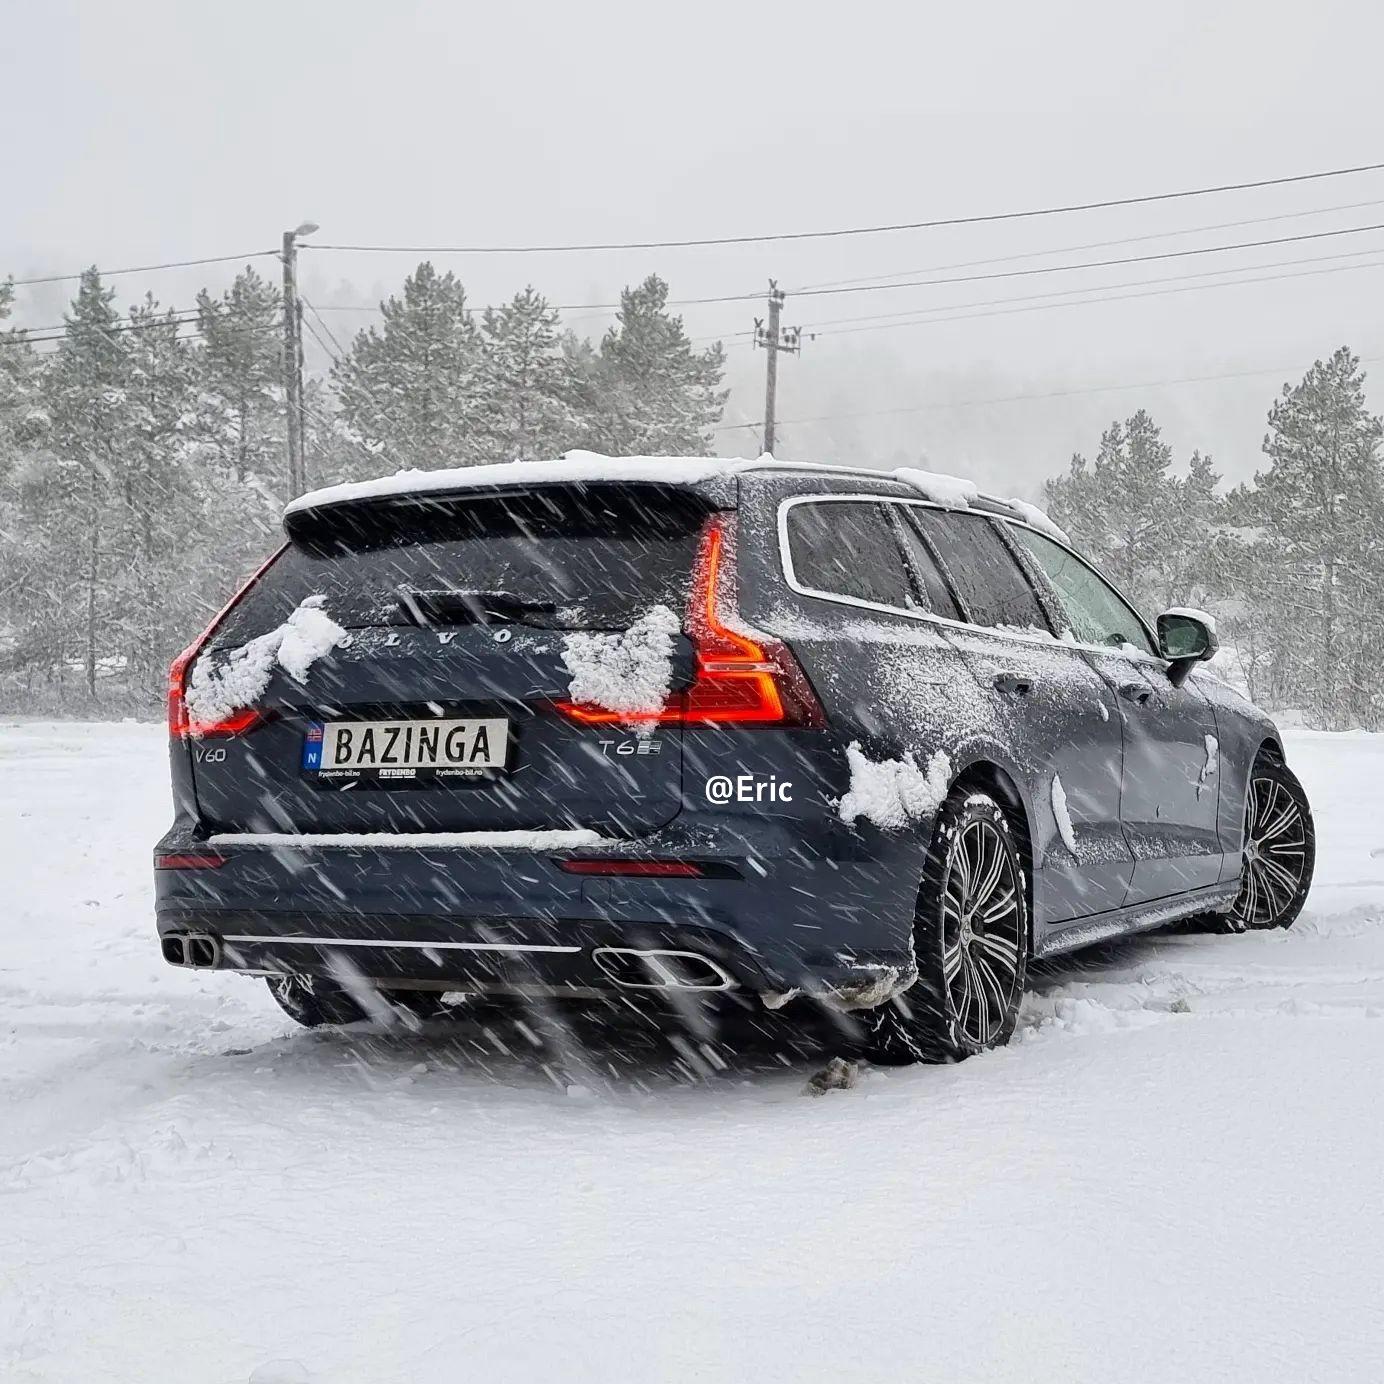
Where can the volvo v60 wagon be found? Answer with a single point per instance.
(703, 731)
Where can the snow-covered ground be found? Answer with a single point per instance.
(1175, 1173)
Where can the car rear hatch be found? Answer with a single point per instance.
(457, 612)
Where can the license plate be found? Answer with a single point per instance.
(406, 750)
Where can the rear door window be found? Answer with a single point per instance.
(989, 583)
(929, 575)
(551, 558)
(848, 548)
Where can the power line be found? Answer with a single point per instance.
(970, 220)
(1021, 398)
(1095, 245)
(57, 342)
(24, 336)
(1102, 288)
(317, 337)
(20, 337)
(952, 312)
(1097, 264)
(1110, 298)
(1191, 253)
(340, 349)
(143, 268)
(179, 314)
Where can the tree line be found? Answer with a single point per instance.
(142, 475)
(1291, 563)
(142, 455)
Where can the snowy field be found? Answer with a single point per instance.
(1176, 1172)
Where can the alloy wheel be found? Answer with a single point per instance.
(982, 918)
(1275, 854)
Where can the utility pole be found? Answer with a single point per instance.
(293, 360)
(774, 339)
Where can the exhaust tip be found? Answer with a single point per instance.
(196, 950)
(641, 968)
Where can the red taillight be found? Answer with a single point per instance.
(189, 861)
(180, 725)
(742, 678)
(679, 869)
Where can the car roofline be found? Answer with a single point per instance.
(702, 474)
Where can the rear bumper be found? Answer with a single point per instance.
(787, 912)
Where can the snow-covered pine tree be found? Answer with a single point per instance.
(1144, 525)
(25, 645)
(531, 394)
(75, 495)
(1321, 506)
(1191, 571)
(1078, 502)
(414, 390)
(22, 419)
(239, 378)
(653, 394)
(154, 601)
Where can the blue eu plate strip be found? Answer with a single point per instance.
(312, 746)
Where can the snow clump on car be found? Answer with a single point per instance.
(892, 793)
(218, 690)
(629, 673)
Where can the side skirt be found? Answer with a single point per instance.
(1213, 898)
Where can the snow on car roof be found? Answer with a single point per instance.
(592, 467)
(570, 467)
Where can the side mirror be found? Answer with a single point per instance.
(1186, 638)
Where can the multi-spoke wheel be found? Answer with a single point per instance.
(970, 940)
(1279, 850)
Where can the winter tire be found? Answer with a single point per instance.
(1280, 850)
(970, 938)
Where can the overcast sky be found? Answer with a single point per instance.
(145, 132)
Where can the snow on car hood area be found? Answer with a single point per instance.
(1172, 1174)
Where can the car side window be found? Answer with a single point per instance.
(991, 586)
(1096, 612)
(847, 548)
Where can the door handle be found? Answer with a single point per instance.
(1140, 693)
(1012, 684)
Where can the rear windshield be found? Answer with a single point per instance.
(557, 559)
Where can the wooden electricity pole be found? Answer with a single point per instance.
(774, 339)
(293, 361)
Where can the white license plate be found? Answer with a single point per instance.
(402, 749)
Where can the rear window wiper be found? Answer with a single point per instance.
(452, 606)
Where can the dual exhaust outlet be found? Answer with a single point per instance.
(194, 949)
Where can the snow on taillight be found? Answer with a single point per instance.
(180, 724)
(742, 677)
